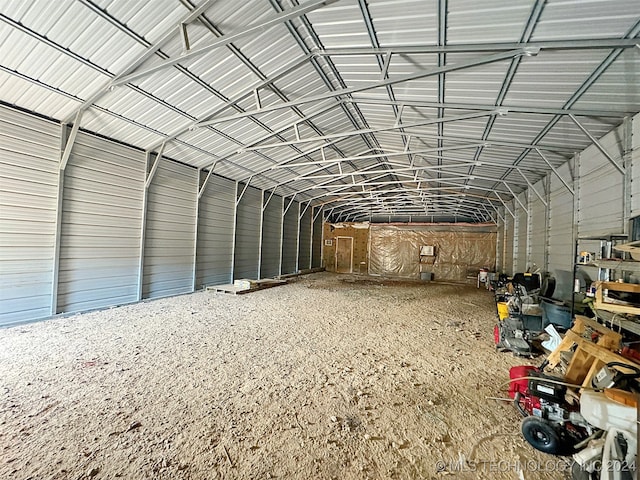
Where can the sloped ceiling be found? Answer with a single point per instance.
(434, 109)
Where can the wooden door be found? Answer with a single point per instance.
(344, 254)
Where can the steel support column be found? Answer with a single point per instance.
(627, 126)
(262, 208)
(143, 226)
(298, 240)
(235, 226)
(195, 228)
(283, 213)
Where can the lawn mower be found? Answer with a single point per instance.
(516, 332)
(529, 312)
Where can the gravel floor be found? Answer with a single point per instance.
(328, 377)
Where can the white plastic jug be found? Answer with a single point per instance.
(602, 412)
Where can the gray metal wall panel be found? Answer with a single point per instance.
(601, 204)
(538, 233)
(635, 166)
(215, 232)
(521, 245)
(509, 242)
(101, 219)
(304, 246)
(290, 238)
(29, 158)
(170, 230)
(247, 253)
(561, 223)
(500, 245)
(271, 231)
(316, 252)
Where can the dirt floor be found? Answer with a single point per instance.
(328, 377)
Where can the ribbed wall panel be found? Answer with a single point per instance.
(500, 246)
(170, 230)
(601, 203)
(509, 241)
(304, 246)
(538, 234)
(561, 223)
(215, 232)
(101, 220)
(247, 253)
(29, 159)
(635, 166)
(271, 232)
(316, 252)
(290, 238)
(521, 262)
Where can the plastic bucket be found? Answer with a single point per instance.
(482, 275)
(503, 310)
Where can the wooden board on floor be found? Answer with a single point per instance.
(240, 290)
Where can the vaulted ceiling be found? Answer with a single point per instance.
(434, 109)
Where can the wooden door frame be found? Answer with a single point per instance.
(336, 253)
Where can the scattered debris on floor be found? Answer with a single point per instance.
(318, 378)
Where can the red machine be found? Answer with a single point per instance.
(550, 424)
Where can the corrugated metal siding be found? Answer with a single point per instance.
(304, 245)
(290, 239)
(215, 232)
(500, 240)
(100, 235)
(29, 158)
(601, 194)
(538, 234)
(635, 166)
(509, 242)
(561, 223)
(522, 257)
(271, 233)
(316, 249)
(170, 230)
(247, 247)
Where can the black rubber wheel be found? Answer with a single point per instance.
(542, 436)
(548, 287)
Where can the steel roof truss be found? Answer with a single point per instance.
(227, 39)
(391, 81)
(598, 145)
(555, 171)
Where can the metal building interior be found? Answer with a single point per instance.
(154, 148)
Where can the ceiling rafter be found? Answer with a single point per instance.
(534, 16)
(347, 107)
(390, 81)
